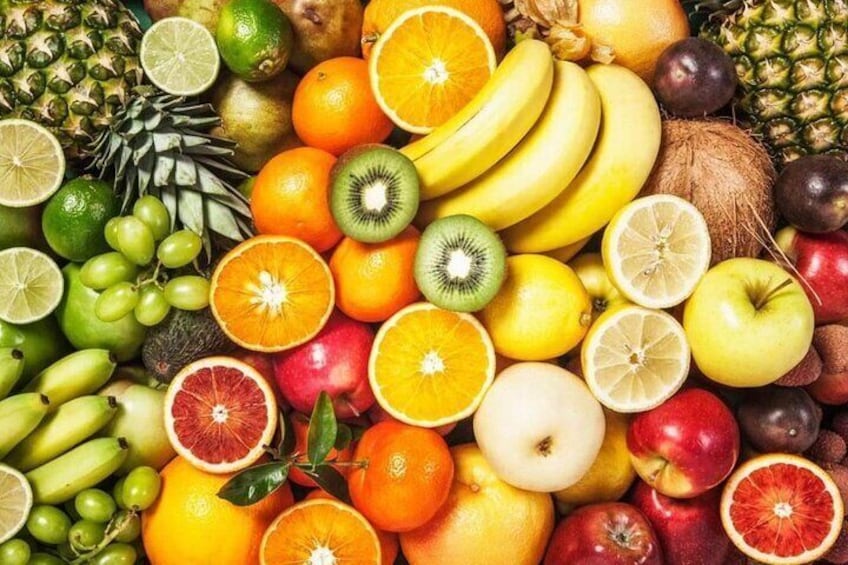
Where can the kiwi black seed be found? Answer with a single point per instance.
(374, 193)
(460, 263)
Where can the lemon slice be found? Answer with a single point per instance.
(31, 285)
(15, 502)
(180, 56)
(656, 249)
(634, 358)
(32, 164)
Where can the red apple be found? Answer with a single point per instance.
(264, 365)
(610, 533)
(822, 262)
(690, 530)
(686, 445)
(334, 361)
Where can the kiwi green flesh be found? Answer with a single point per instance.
(460, 263)
(374, 194)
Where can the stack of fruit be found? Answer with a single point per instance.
(313, 282)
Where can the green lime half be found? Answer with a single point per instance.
(32, 164)
(179, 56)
(31, 285)
(255, 38)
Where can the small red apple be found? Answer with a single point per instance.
(610, 533)
(300, 425)
(686, 445)
(334, 361)
(689, 530)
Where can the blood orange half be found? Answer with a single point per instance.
(782, 509)
(219, 414)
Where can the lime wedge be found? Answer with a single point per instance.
(179, 56)
(15, 502)
(31, 285)
(32, 164)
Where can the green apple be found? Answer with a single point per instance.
(748, 323)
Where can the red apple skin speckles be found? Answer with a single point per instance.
(685, 446)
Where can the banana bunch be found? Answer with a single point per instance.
(546, 153)
(47, 428)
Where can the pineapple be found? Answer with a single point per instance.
(72, 65)
(792, 61)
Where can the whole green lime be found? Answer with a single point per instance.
(21, 227)
(84, 329)
(41, 342)
(254, 38)
(75, 216)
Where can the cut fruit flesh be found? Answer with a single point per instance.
(634, 358)
(15, 502)
(31, 285)
(656, 249)
(220, 414)
(32, 164)
(180, 56)
(782, 509)
(430, 367)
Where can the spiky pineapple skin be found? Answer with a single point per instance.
(69, 65)
(791, 58)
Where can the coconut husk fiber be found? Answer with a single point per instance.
(727, 175)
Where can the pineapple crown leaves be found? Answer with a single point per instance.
(160, 145)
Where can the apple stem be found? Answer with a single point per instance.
(346, 402)
(765, 298)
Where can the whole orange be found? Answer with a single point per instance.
(637, 32)
(405, 477)
(189, 523)
(379, 14)
(290, 197)
(334, 108)
(375, 280)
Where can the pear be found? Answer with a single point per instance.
(323, 29)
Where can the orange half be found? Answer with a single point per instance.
(428, 64)
(320, 531)
(272, 293)
(430, 367)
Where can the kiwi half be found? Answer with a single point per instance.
(374, 193)
(460, 263)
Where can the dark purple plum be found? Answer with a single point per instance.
(812, 193)
(779, 419)
(694, 77)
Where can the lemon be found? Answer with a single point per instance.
(31, 285)
(254, 38)
(634, 358)
(611, 474)
(656, 249)
(179, 56)
(15, 502)
(32, 164)
(541, 311)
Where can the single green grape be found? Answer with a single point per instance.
(85, 534)
(48, 524)
(103, 271)
(190, 292)
(95, 505)
(152, 306)
(118, 493)
(71, 510)
(110, 231)
(132, 527)
(152, 212)
(116, 301)
(116, 554)
(135, 240)
(179, 249)
(141, 488)
(15, 552)
(44, 559)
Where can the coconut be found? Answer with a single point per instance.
(727, 175)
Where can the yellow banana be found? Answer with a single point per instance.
(68, 425)
(61, 479)
(539, 167)
(618, 167)
(82, 372)
(19, 415)
(11, 369)
(568, 252)
(489, 126)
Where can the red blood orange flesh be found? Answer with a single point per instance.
(782, 509)
(219, 414)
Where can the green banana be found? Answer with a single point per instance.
(68, 425)
(82, 467)
(19, 415)
(11, 369)
(82, 372)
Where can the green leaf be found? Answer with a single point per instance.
(344, 437)
(253, 484)
(329, 479)
(323, 429)
(287, 441)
